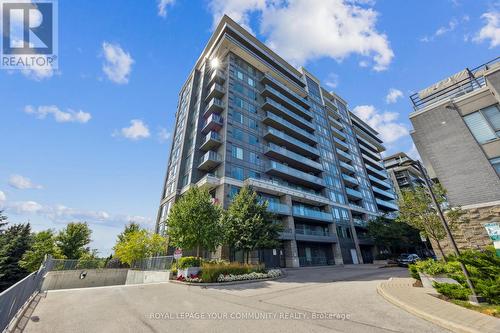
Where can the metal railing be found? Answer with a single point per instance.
(161, 263)
(470, 83)
(14, 299)
(74, 264)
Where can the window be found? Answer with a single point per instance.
(237, 152)
(251, 82)
(479, 127)
(233, 190)
(237, 172)
(253, 174)
(239, 75)
(252, 139)
(238, 117)
(252, 123)
(496, 164)
(253, 158)
(492, 113)
(237, 134)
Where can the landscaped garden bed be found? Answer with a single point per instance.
(448, 280)
(220, 271)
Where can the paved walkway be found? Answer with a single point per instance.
(326, 299)
(422, 303)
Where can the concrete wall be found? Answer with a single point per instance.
(94, 278)
(142, 277)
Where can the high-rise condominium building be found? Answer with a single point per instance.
(247, 117)
(403, 174)
(457, 133)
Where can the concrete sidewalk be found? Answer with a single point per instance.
(421, 302)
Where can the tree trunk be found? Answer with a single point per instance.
(198, 250)
(248, 255)
(441, 250)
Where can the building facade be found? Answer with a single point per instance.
(457, 133)
(247, 117)
(403, 174)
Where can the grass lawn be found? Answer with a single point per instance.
(489, 309)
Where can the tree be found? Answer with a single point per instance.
(131, 227)
(13, 244)
(43, 243)
(139, 244)
(397, 237)
(248, 225)
(3, 221)
(73, 239)
(417, 210)
(194, 222)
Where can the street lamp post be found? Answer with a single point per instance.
(474, 298)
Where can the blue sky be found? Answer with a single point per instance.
(90, 141)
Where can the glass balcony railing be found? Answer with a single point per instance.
(289, 140)
(381, 174)
(215, 90)
(294, 156)
(338, 133)
(292, 116)
(278, 208)
(312, 232)
(297, 175)
(354, 193)
(385, 184)
(346, 166)
(287, 126)
(309, 213)
(343, 154)
(218, 76)
(372, 161)
(211, 140)
(386, 204)
(350, 179)
(341, 144)
(215, 105)
(290, 92)
(288, 101)
(209, 160)
(384, 193)
(337, 124)
(360, 222)
(212, 122)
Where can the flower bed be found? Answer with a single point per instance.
(273, 273)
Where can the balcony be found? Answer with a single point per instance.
(212, 140)
(289, 128)
(343, 156)
(267, 78)
(287, 234)
(213, 123)
(353, 194)
(347, 168)
(311, 214)
(214, 106)
(314, 235)
(360, 223)
(209, 161)
(292, 117)
(294, 175)
(293, 159)
(336, 124)
(377, 173)
(295, 107)
(338, 133)
(386, 204)
(278, 208)
(385, 184)
(372, 162)
(216, 90)
(350, 180)
(384, 194)
(291, 143)
(217, 76)
(341, 144)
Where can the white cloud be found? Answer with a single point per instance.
(118, 63)
(491, 30)
(136, 131)
(39, 73)
(443, 30)
(3, 197)
(304, 30)
(393, 95)
(70, 116)
(385, 123)
(162, 7)
(23, 183)
(332, 81)
(164, 135)
(24, 207)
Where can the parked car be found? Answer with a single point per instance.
(407, 258)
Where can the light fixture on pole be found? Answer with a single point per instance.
(473, 298)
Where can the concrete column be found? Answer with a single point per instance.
(332, 229)
(355, 239)
(291, 252)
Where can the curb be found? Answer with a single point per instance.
(447, 324)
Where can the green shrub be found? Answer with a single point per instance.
(413, 271)
(173, 268)
(186, 262)
(430, 266)
(453, 291)
(210, 272)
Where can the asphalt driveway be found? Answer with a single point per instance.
(325, 299)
